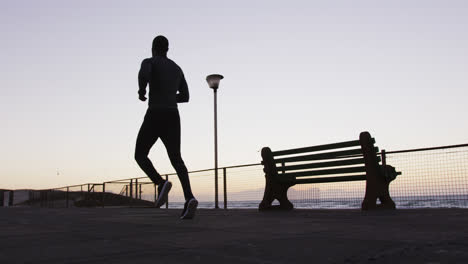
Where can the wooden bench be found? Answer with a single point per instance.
(356, 160)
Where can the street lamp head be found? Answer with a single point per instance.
(213, 80)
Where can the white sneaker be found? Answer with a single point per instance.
(163, 194)
(189, 213)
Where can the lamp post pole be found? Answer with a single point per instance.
(213, 82)
(216, 145)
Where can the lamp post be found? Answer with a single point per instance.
(213, 82)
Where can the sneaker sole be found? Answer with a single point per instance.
(162, 197)
(191, 209)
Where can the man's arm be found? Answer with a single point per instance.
(183, 95)
(143, 80)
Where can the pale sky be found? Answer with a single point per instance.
(296, 74)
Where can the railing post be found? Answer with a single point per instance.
(11, 198)
(384, 162)
(140, 191)
(167, 202)
(136, 188)
(155, 193)
(131, 188)
(225, 188)
(41, 198)
(67, 195)
(48, 198)
(103, 193)
(216, 189)
(131, 192)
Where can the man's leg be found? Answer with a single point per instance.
(145, 140)
(171, 139)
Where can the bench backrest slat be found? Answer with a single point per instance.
(332, 179)
(345, 144)
(325, 164)
(323, 172)
(321, 156)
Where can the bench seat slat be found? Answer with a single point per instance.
(325, 164)
(332, 179)
(345, 144)
(321, 156)
(323, 172)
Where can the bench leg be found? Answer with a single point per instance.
(274, 190)
(376, 184)
(377, 190)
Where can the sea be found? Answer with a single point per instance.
(402, 202)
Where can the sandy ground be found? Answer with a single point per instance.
(148, 235)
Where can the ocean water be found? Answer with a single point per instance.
(402, 202)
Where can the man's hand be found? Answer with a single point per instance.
(142, 98)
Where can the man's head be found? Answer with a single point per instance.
(160, 46)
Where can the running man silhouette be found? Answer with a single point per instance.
(167, 87)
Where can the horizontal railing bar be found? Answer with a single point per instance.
(323, 172)
(426, 149)
(241, 166)
(124, 181)
(78, 185)
(332, 179)
(71, 186)
(345, 144)
(169, 174)
(196, 171)
(320, 156)
(127, 183)
(321, 164)
(205, 170)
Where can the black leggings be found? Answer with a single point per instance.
(164, 124)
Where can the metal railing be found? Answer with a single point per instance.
(432, 177)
